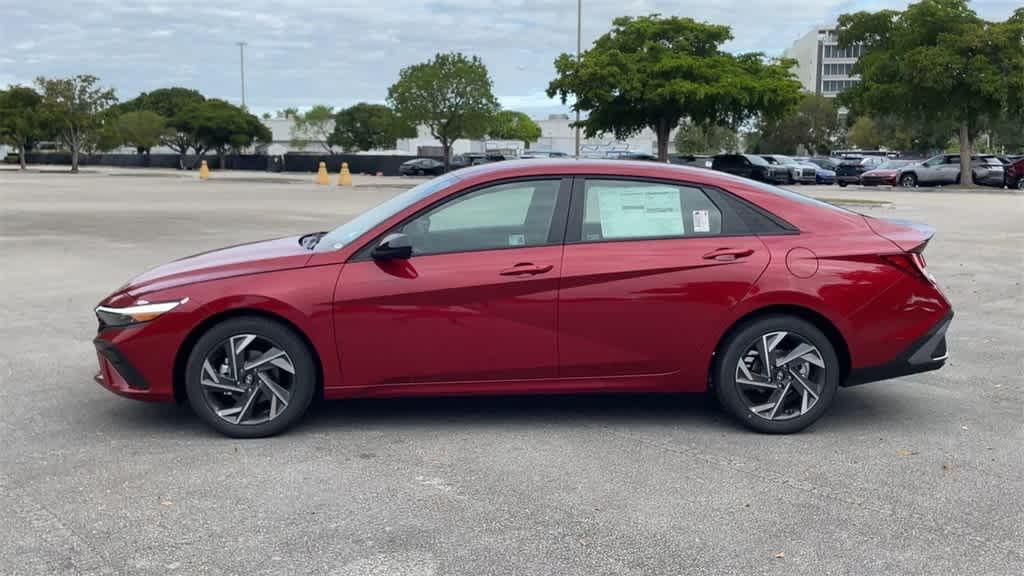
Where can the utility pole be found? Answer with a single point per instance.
(241, 65)
(579, 45)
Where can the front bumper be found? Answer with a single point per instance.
(879, 180)
(928, 353)
(120, 376)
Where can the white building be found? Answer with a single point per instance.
(822, 67)
(557, 135)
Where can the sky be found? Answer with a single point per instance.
(339, 52)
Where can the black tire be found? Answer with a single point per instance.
(737, 344)
(1020, 184)
(908, 180)
(303, 384)
(843, 184)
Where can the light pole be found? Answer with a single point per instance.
(241, 65)
(579, 45)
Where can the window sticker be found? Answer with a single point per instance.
(701, 222)
(517, 240)
(641, 211)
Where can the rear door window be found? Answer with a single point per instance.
(634, 210)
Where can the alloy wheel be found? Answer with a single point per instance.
(247, 379)
(908, 181)
(780, 376)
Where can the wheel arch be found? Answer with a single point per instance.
(181, 357)
(818, 320)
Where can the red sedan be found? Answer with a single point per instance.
(539, 277)
(888, 174)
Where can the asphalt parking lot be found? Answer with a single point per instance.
(921, 475)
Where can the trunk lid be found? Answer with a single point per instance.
(906, 235)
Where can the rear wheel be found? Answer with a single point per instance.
(842, 184)
(777, 374)
(908, 181)
(250, 377)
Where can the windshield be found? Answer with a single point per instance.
(757, 160)
(356, 227)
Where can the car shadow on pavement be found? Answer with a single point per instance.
(550, 410)
(854, 409)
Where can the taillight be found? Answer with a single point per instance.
(912, 263)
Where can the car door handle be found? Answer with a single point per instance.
(526, 269)
(727, 254)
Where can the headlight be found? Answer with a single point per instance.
(141, 311)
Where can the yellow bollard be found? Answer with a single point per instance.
(344, 177)
(321, 174)
(204, 170)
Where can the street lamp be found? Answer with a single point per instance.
(579, 44)
(241, 65)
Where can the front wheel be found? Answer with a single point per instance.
(842, 184)
(250, 377)
(776, 374)
(1020, 184)
(908, 181)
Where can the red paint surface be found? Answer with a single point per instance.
(628, 315)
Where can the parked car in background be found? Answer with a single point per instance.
(750, 166)
(420, 167)
(825, 169)
(852, 167)
(822, 162)
(533, 154)
(801, 172)
(696, 160)
(888, 174)
(944, 169)
(1014, 173)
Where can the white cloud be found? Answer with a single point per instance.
(302, 52)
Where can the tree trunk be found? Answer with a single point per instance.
(662, 130)
(446, 149)
(966, 174)
(21, 156)
(74, 158)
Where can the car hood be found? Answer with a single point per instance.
(240, 260)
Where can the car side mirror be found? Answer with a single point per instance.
(393, 247)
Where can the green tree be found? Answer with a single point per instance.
(314, 125)
(21, 119)
(142, 129)
(450, 94)
(368, 127)
(864, 134)
(696, 139)
(937, 60)
(170, 103)
(653, 72)
(512, 125)
(74, 106)
(813, 126)
(219, 126)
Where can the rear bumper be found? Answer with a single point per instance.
(927, 353)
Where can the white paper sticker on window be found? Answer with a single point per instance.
(639, 212)
(701, 222)
(516, 240)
